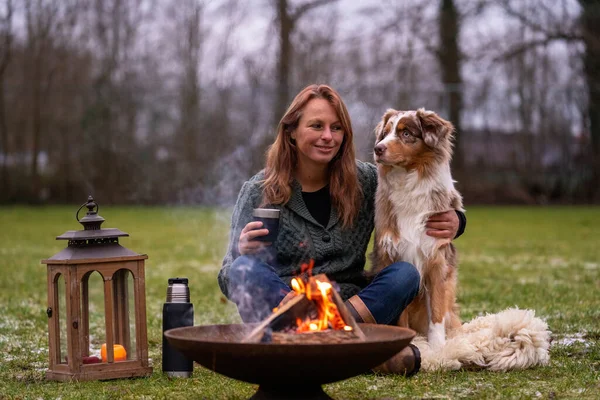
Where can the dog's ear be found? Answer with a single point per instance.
(434, 127)
(379, 128)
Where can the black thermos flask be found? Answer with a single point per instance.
(177, 312)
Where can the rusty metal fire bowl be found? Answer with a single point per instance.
(290, 370)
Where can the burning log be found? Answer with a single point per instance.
(316, 314)
(283, 317)
(317, 337)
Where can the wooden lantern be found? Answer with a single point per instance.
(71, 346)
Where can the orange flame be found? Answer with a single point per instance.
(328, 315)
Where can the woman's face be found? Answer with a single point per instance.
(319, 134)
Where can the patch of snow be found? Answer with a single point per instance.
(591, 265)
(572, 339)
(525, 281)
(558, 262)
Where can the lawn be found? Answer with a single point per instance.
(546, 259)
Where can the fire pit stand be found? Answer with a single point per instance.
(287, 370)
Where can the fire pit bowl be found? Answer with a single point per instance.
(287, 370)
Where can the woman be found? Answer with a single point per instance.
(326, 202)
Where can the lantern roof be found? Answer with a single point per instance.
(93, 243)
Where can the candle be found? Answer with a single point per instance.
(118, 351)
(90, 360)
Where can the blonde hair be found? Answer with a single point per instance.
(344, 188)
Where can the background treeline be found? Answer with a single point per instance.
(175, 101)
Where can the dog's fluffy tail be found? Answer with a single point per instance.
(511, 339)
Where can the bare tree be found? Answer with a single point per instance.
(225, 64)
(395, 51)
(219, 131)
(590, 24)
(41, 20)
(523, 69)
(110, 117)
(6, 38)
(71, 83)
(287, 17)
(287, 20)
(190, 45)
(549, 26)
(315, 51)
(407, 29)
(449, 57)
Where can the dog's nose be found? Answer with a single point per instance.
(379, 149)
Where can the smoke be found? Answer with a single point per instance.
(252, 288)
(229, 180)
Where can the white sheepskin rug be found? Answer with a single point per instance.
(509, 340)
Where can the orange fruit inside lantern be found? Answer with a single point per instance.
(118, 351)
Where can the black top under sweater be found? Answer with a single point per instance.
(318, 204)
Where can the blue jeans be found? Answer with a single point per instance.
(256, 289)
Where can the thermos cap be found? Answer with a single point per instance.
(178, 291)
(265, 213)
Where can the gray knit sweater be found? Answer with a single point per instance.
(337, 252)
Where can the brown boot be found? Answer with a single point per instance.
(359, 310)
(407, 362)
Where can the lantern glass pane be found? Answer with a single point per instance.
(124, 313)
(61, 291)
(92, 310)
(132, 351)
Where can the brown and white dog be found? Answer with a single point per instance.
(413, 151)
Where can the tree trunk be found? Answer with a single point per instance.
(4, 61)
(286, 25)
(36, 120)
(449, 58)
(286, 20)
(190, 141)
(591, 61)
(65, 166)
(4, 179)
(6, 54)
(282, 79)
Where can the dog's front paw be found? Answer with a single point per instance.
(436, 336)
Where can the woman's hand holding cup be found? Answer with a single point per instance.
(261, 232)
(248, 243)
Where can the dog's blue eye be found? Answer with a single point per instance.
(406, 133)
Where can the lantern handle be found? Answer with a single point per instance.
(90, 205)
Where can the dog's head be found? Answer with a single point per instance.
(412, 139)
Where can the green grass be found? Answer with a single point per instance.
(545, 259)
